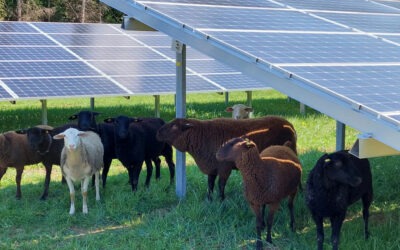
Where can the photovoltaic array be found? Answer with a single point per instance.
(341, 56)
(61, 60)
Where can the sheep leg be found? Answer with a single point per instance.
(157, 163)
(49, 168)
(259, 223)
(84, 189)
(270, 219)
(3, 170)
(149, 168)
(71, 195)
(290, 206)
(223, 174)
(263, 217)
(106, 168)
(18, 181)
(336, 224)
(97, 185)
(320, 230)
(168, 155)
(211, 183)
(134, 172)
(366, 200)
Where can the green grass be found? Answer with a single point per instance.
(155, 218)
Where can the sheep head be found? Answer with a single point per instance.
(173, 131)
(71, 138)
(239, 111)
(121, 125)
(234, 148)
(337, 168)
(86, 119)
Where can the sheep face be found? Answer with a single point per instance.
(39, 139)
(233, 149)
(174, 130)
(86, 120)
(341, 169)
(71, 138)
(121, 125)
(240, 111)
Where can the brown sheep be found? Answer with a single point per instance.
(16, 152)
(202, 139)
(268, 178)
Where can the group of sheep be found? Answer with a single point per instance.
(264, 150)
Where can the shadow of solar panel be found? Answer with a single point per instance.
(63, 87)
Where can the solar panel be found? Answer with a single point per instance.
(51, 60)
(341, 57)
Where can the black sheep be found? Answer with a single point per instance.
(135, 142)
(87, 121)
(40, 140)
(337, 181)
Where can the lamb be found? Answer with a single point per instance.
(268, 178)
(16, 152)
(40, 139)
(135, 142)
(338, 180)
(240, 111)
(202, 139)
(81, 157)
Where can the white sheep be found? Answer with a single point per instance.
(81, 157)
(240, 111)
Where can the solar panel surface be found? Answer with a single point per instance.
(52, 60)
(343, 52)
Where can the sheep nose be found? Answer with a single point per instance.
(71, 146)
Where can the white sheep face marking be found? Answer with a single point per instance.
(71, 138)
(240, 111)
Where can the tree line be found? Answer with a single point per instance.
(83, 11)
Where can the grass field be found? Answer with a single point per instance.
(155, 218)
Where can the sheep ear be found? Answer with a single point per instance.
(73, 117)
(109, 120)
(229, 109)
(59, 136)
(82, 134)
(21, 131)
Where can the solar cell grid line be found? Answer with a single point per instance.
(93, 40)
(79, 28)
(337, 5)
(189, 70)
(68, 50)
(240, 3)
(23, 39)
(200, 17)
